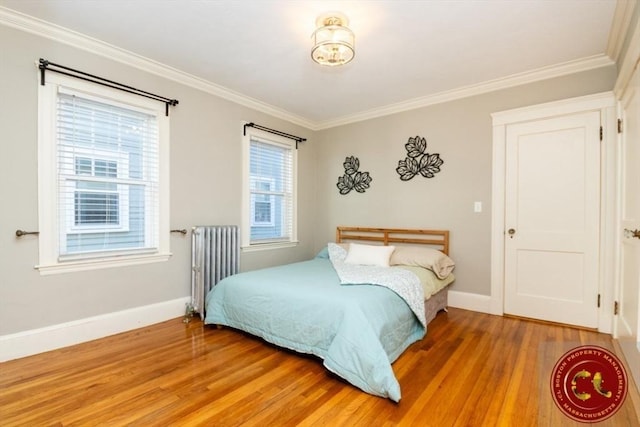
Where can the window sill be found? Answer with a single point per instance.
(269, 246)
(99, 263)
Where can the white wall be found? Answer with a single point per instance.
(205, 172)
(205, 183)
(461, 132)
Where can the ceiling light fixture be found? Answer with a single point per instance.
(333, 41)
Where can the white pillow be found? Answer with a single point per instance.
(369, 255)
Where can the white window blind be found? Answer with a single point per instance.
(103, 174)
(271, 191)
(108, 177)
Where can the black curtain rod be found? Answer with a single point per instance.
(46, 65)
(297, 139)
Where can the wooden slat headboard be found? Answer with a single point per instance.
(439, 239)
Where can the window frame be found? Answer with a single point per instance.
(250, 133)
(49, 209)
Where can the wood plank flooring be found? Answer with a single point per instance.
(471, 369)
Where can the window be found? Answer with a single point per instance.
(91, 184)
(262, 202)
(269, 201)
(103, 174)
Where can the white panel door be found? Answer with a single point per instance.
(552, 193)
(627, 327)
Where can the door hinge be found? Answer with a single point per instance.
(598, 300)
(601, 133)
(619, 125)
(615, 308)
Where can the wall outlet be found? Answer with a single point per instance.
(477, 207)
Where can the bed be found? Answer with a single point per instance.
(333, 307)
(436, 294)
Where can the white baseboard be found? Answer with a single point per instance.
(469, 301)
(52, 337)
(631, 350)
(49, 338)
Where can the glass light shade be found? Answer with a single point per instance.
(333, 43)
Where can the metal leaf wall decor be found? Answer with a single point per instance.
(352, 178)
(418, 161)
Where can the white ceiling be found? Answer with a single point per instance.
(406, 50)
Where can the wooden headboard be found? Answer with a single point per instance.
(439, 239)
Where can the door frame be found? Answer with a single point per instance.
(627, 68)
(605, 103)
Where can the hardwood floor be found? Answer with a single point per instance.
(471, 369)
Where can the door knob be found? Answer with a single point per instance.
(511, 231)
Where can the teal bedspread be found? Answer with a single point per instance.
(358, 330)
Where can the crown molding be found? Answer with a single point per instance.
(544, 73)
(77, 40)
(629, 62)
(619, 27)
(60, 34)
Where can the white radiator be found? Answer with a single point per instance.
(215, 254)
